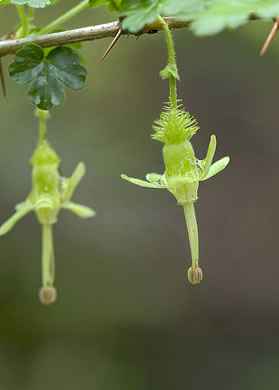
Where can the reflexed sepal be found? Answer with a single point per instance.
(206, 163)
(217, 167)
(79, 209)
(70, 185)
(21, 210)
(143, 183)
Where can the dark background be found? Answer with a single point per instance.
(126, 317)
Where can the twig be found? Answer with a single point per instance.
(81, 34)
(88, 34)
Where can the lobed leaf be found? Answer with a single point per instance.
(207, 16)
(45, 73)
(221, 14)
(97, 3)
(113, 5)
(3, 2)
(32, 3)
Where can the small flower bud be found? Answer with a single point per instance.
(195, 275)
(48, 295)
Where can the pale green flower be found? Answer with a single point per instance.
(50, 193)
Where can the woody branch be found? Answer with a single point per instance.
(90, 33)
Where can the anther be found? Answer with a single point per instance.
(195, 275)
(47, 295)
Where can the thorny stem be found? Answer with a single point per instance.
(192, 227)
(62, 19)
(91, 33)
(172, 62)
(23, 19)
(48, 266)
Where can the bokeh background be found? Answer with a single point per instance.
(126, 317)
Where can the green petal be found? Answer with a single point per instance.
(179, 180)
(21, 210)
(153, 177)
(141, 183)
(217, 167)
(206, 163)
(80, 210)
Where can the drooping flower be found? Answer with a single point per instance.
(50, 193)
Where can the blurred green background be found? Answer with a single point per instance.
(126, 317)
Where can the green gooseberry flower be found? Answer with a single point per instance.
(50, 193)
(183, 171)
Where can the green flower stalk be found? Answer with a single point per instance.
(50, 193)
(183, 171)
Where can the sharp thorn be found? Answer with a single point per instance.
(270, 37)
(115, 39)
(2, 80)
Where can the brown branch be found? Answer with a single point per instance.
(91, 33)
(81, 34)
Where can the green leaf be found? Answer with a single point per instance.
(113, 5)
(141, 183)
(46, 73)
(97, 3)
(206, 16)
(185, 7)
(217, 15)
(139, 13)
(4, 2)
(32, 3)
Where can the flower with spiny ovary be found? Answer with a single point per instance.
(50, 193)
(183, 171)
